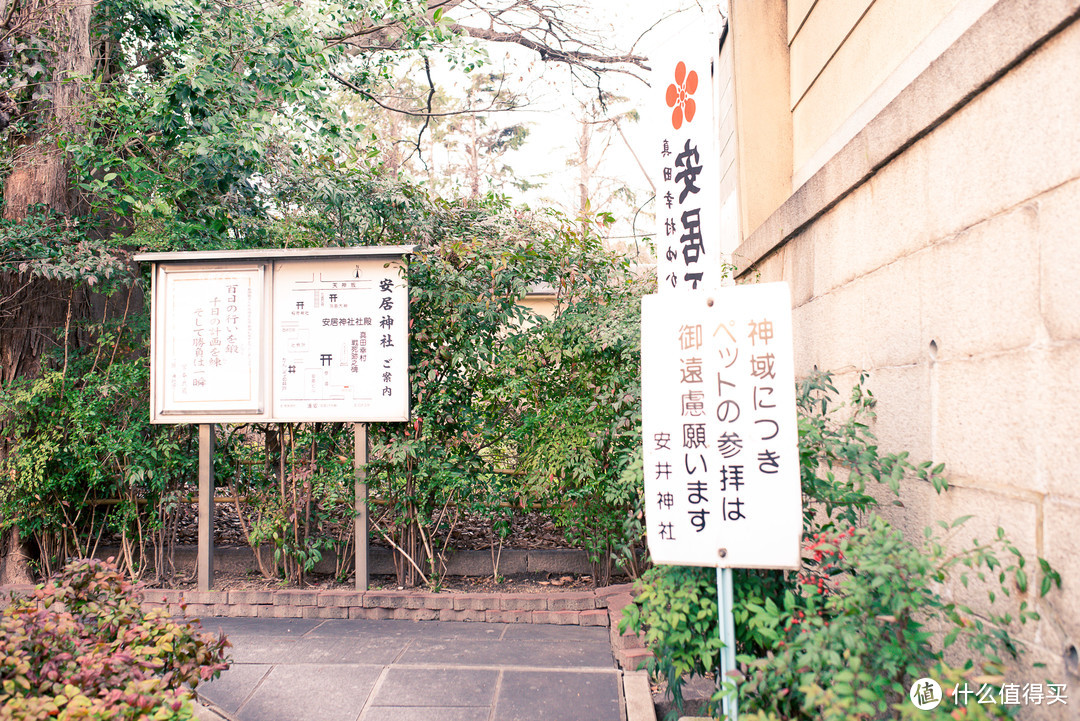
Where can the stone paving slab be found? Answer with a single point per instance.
(261, 626)
(436, 687)
(366, 650)
(535, 654)
(303, 692)
(557, 696)
(235, 685)
(363, 670)
(452, 713)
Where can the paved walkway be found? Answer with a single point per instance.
(355, 670)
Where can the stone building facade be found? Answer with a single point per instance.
(912, 169)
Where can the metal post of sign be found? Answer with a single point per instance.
(725, 598)
(360, 531)
(206, 506)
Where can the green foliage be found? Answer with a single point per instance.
(838, 454)
(45, 245)
(81, 434)
(190, 145)
(299, 492)
(211, 125)
(81, 647)
(858, 629)
(846, 637)
(510, 406)
(676, 608)
(581, 441)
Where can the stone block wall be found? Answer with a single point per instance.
(950, 270)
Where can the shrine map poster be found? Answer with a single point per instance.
(211, 358)
(340, 340)
(280, 336)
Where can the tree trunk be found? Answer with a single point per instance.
(32, 309)
(40, 173)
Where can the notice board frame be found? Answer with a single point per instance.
(263, 262)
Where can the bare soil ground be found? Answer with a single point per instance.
(530, 530)
(527, 531)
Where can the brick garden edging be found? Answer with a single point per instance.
(601, 607)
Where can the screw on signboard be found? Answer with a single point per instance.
(722, 552)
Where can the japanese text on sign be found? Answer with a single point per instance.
(212, 354)
(719, 428)
(340, 339)
(687, 175)
(280, 335)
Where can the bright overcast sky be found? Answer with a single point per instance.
(556, 103)
(554, 131)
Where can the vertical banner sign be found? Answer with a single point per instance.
(719, 428)
(686, 164)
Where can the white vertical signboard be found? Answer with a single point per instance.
(719, 428)
(341, 341)
(686, 165)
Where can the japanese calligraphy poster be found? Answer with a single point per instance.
(211, 358)
(719, 428)
(686, 163)
(341, 342)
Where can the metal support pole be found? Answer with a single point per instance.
(206, 506)
(361, 528)
(725, 598)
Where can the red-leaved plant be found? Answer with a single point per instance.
(81, 647)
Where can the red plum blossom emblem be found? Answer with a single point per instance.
(678, 95)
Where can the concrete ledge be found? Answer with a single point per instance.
(975, 61)
(638, 695)
(241, 559)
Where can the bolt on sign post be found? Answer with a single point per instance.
(279, 336)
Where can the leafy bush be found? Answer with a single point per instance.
(846, 637)
(298, 481)
(859, 629)
(81, 647)
(511, 407)
(84, 460)
(581, 439)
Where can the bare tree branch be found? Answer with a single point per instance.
(546, 28)
(585, 58)
(492, 108)
(428, 114)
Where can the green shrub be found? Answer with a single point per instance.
(859, 628)
(84, 461)
(81, 647)
(847, 636)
